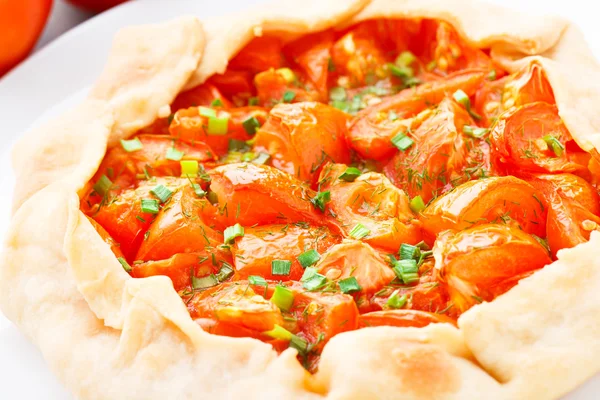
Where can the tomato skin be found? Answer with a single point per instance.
(474, 259)
(114, 246)
(179, 268)
(357, 259)
(180, 227)
(202, 95)
(402, 318)
(233, 83)
(254, 252)
(261, 54)
(371, 132)
(488, 100)
(441, 157)
(96, 5)
(484, 201)
(189, 126)
(301, 137)
(518, 145)
(258, 194)
(566, 226)
(566, 185)
(529, 85)
(21, 23)
(271, 87)
(374, 202)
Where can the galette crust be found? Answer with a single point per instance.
(108, 336)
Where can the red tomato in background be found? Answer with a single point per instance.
(96, 5)
(21, 23)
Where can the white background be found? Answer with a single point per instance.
(29, 91)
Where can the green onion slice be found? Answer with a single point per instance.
(409, 252)
(150, 206)
(225, 272)
(314, 282)
(359, 231)
(461, 97)
(321, 199)
(416, 204)
(216, 103)
(407, 271)
(402, 142)
(162, 192)
(554, 144)
(125, 264)
(396, 301)
(337, 93)
(289, 96)
(173, 154)
(207, 112)
(189, 168)
(279, 333)
(474, 131)
(281, 267)
(233, 232)
(204, 282)
(308, 274)
(349, 285)
(309, 258)
(282, 297)
(217, 126)
(103, 185)
(257, 280)
(405, 59)
(350, 174)
(251, 125)
(132, 145)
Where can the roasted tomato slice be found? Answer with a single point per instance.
(441, 157)
(488, 100)
(567, 185)
(255, 252)
(203, 95)
(261, 54)
(284, 85)
(114, 246)
(124, 168)
(569, 223)
(371, 132)
(529, 85)
(496, 200)
(190, 125)
(256, 194)
(374, 202)
(533, 138)
(302, 137)
(122, 215)
(357, 259)
(472, 260)
(402, 318)
(180, 227)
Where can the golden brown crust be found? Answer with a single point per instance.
(109, 336)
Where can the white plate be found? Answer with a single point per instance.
(57, 77)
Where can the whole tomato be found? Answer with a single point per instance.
(96, 5)
(21, 23)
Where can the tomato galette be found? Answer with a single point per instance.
(352, 201)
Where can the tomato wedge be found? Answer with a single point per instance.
(203, 95)
(402, 319)
(496, 200)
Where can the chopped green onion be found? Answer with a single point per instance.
(132, 145)
(314, 282)
(150, 206)
(216, 103)
(321, 199)
(402, 142)
(350, 174)
(349, 285)
(198, 190)
(225, 272)
(257, 280)
(309, 258)
(162, 193)
(189, 168)
(103, 185)
(359, 231)
(279, 333)
(125, 264)
(492, 75)
(204, 282)
(341, 105)
(251, 125)
(475, 132)
(337, 93)
(556, 146)
(237, 145)
(253, 101)
(281, 267)
(396, 301)
(212, 198)
(289, 96)
(232, 232)
(207, 112)
(401, 72)
(282, 297)
(405, 59)
(392, 115)
(407, 271)
(173, 154)
(330, 65)
(287, 74)
(308, 274)
(217, 126)
(431, 65)
(299, 344)
(261, 158)
(461, 97)
(417, 204)
(409, 252)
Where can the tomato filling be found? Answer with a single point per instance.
(387, 174)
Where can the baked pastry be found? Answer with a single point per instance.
(250, 176)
